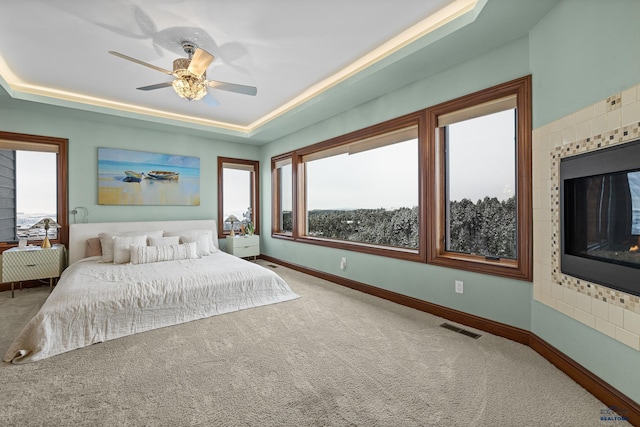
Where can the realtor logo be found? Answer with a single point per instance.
(613, 413)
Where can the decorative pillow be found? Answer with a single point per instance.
(93, 247)
(122, 245)
(164, 241)
(106, 241)
(188, 234)
(148, 254)
(201, 240)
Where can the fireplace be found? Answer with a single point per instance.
(600, 217)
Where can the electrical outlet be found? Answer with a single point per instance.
(343, 263)
(459, 287)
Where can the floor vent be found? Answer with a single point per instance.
(460, 330)
(272, 266)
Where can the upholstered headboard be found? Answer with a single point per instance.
(79, 233)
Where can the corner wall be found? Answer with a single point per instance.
(585, 70)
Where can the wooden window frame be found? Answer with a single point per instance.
(299, 200)
(254, 188)
(62, 180)
(276, 197)
(521, 267)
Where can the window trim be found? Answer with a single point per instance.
(299, 199)
(62, 180)
(276, 196)
(521, 267)
(255, 193)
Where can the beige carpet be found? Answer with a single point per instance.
(334, 357)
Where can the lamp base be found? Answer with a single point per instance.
(46, 243)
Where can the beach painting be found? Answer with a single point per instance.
(127, 177)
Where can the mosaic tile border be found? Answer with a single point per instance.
(608, 139)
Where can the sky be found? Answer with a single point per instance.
(388, 177)
(36, 182)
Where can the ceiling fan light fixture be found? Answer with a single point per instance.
(189, 86)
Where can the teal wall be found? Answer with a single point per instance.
(87, 131)
(582, 52)
(503, 300)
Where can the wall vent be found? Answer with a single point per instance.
(460, 330)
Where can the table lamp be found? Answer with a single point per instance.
(46, 223)
(232, 219)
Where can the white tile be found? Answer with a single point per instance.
(598, 125)
(614, 119)
(547, 300)
(565, 308)
(583, 130)
(628, 338)
(600, 309)
(631, 321)
(557, 291)
(545, 287)
(545, 274)
(568, 135)
(555, 139)
(600, 107)
(631, 113)
(584, 302)
(586, 318)
(606, 327)
(629, 96)
(615, 315)
(570, 297)
(546, 129)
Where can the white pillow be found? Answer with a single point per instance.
(201, 240)
(122, 245)
(164, 241)
(106, 241)
(147, 254)
(188, 235)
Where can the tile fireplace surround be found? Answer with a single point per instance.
(612, 121)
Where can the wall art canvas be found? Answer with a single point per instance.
(127, 177)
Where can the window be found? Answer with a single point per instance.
(449, 185)
(237, 194)
(33, 185)
(360, 191)
(481, 167)
(282, 190)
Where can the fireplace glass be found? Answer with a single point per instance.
(600, 217)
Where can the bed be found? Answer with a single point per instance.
(96, 301)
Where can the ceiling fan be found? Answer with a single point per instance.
(190, 75)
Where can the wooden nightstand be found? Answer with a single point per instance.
(32, 263)
(244, 246)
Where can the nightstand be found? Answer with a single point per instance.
(244, 246)
(32, 263)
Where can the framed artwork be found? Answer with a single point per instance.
(127, 177)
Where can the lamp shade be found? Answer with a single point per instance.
(46, 223)
(232, 219)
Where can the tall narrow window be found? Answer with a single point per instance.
(282, 171)
(362, 191)
(237, 195)
(482, 171)
(32, 186)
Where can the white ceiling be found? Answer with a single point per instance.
(56, 51)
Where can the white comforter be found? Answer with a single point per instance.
(95, 302)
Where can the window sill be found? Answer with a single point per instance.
(509, 268)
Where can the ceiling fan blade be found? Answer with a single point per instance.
(233, 87)
(137, 61)
(210, 100)
(156, 86)
(200, 61)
